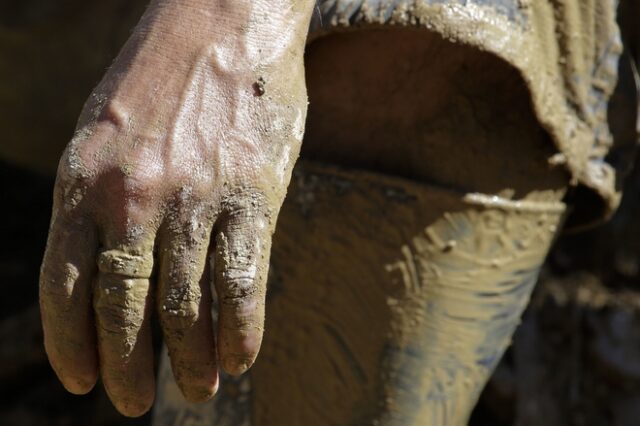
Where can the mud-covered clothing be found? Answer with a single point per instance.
(570, 55)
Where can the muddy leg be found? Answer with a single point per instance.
(400, 302)
(389, 302)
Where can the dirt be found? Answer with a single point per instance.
(574, 359)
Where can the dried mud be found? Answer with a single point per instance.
(588, 294)
(381, 332)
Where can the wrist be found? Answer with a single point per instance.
(239, 36)
(256, 27)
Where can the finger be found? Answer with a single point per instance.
(123, 308)
(241, 264)
(184, 306)
(65, 301)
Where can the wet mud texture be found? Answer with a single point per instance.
(574, 358)
(400, 303)
(390, 302)
(505, 399)
(570, 78)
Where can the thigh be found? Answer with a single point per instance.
(393, 298)
(392, 301)
(389, 301)
(398, 278)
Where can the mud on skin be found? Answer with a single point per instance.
(175, 178)
(400, 295)
(397, 318)
(180, 304)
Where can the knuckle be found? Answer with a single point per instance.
(134, 182)
(247, 203)
(241, 269)
(189, 218)
(73, 167)
(131, 182)
(117, 320)
(57, 281)
(238, 289)
(120, 304)
(72, 182)
(179, 317)
(180, 312)
(139, 177)
(126, 263)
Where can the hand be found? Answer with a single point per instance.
(174, 179)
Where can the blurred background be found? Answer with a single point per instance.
(575, 359)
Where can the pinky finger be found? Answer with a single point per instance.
(65, 303)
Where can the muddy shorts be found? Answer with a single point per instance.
(570, 54)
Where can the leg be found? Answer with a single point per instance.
(391, 301)
(397, 303)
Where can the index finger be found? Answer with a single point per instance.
(241, 264)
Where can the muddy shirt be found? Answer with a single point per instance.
(568, 52)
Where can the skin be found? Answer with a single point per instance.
(397, 278)
(156, 199)
(172, 183)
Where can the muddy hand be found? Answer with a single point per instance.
(173, 181)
